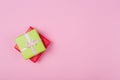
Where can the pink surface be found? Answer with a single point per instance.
(85, 37)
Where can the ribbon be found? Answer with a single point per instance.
(30, 44)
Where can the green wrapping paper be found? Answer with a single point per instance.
(30, 44)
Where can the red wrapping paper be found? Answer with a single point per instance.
(45, 41)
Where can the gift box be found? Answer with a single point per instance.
(45, 41)
(30, 44)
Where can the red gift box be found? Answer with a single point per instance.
(45, 41)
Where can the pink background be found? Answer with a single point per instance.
(85, 37)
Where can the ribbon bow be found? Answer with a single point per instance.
(32, 43)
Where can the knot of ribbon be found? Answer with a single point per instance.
(31, 43)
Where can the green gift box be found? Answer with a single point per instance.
(30, 44)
